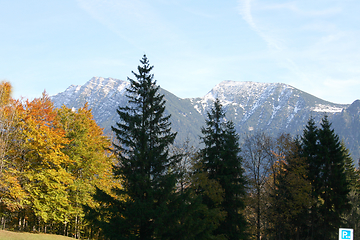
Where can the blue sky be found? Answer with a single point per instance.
(313, 45)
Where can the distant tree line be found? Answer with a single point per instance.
(60, 174)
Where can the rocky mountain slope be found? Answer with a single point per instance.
(270, 107)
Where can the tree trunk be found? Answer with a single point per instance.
(65, 225)
(258, 216)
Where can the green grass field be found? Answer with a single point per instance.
(8, 235)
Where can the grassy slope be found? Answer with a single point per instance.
(8, 235)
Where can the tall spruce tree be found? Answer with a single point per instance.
(140, 210)
(330, 188)
(335, 187)
(222, 162)
(310, 151)
(352, 217)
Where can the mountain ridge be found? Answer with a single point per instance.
(252, 106)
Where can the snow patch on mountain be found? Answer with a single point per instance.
(233, 93)
(326, 108)
(108, 86)
(73, 88)
(253, 106)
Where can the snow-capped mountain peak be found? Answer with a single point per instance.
(271, 107)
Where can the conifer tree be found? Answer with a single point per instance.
(222, 162)
(352, 217)
(334, 189)
(309, 150)
(325, 159)
(141, 208)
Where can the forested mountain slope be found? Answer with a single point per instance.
(270, 107)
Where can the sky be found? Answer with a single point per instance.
(312, 45)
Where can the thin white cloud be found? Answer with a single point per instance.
(244, 7)
(318, 46)
(103, 12)
(245, 10)
(130, 19)
(293, 6)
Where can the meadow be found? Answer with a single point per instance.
(8, 235)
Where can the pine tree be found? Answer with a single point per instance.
(325, 159)
(309, 150)
(352, 217)
(222, 162)
(193, 219)
(143, 134)
(335, 187)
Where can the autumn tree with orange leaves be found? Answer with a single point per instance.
(51, 161)
(12, 195)
(42, 164)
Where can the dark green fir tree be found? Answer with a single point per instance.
(326, 159)
(222, 162)
(335, 186)
(140, 209)
(309, 150)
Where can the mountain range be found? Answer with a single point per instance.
(271, 107)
